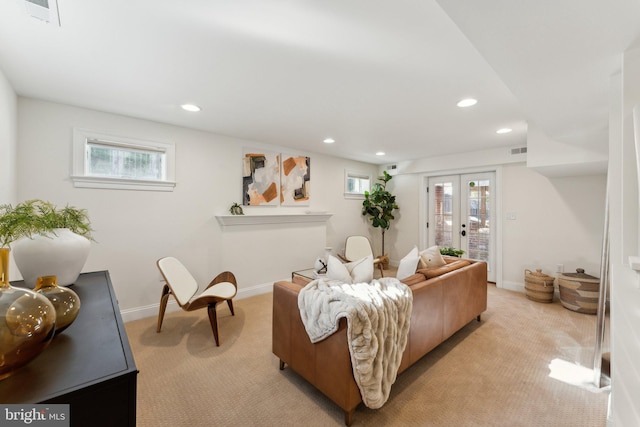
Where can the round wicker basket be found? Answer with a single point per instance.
(579, 291)
(538, 286)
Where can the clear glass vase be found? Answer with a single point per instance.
(27, 322)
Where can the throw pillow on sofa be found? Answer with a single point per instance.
(408, 264)
(431, 258)
(360, 271)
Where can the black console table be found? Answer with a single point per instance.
(88, 366)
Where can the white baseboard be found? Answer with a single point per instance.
(513, 286)
(143, 312)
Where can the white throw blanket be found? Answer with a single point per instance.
(378, 315)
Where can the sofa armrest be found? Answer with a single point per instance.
(325, 364)
(465, 296)
(285, 300)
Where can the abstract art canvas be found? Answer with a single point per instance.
(260, 178)
(295, 180)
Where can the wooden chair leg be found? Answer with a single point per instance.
(163, 306)
(381, 270)
(230, 304)
(213, 319)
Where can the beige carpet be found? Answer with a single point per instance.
(492, 373)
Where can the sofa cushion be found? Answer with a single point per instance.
(413, 279)
(438, 271)
(449, 259)
(359, 271)
(408, 264)
(430, 258)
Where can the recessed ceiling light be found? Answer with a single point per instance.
(329, 141)
(380, 153)
(504, 130)
(467, 102)
(190, 107)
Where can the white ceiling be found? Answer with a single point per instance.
(373, 75)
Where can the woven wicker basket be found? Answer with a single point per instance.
(579, 291)
(538, 286)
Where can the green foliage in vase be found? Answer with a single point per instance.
(379, 205)
(40, 217)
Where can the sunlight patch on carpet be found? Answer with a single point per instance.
(574, 374)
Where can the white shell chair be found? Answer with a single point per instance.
(358, 247)
(181, 284)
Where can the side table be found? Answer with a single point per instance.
(302, 277)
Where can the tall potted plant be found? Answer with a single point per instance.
(45, 240)
(379, 205)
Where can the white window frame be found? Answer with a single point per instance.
(348, 173)
(80, 178)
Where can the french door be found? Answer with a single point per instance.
(461, 215)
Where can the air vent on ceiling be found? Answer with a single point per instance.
(391, 169)
(45, 10)
(519, 150)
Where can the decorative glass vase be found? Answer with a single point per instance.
(27, 322)
(64, 300)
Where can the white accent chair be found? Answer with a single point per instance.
(181, 284)
(358, 247)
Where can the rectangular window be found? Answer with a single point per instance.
(105, 161)
(443, 211)
(356, 183)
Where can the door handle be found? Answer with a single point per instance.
(463, 232)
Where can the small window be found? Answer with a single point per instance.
(356, 183)
(105, 161)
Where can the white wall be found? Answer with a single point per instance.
(8, 141)
(403, 234)
(558, 221)
(467, 160)
(135, 228)
(556, 158)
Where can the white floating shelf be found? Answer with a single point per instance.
(272, 218)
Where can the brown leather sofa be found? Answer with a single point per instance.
(442, 305)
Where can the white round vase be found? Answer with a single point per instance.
(62, 255)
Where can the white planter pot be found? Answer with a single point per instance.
(62, 255)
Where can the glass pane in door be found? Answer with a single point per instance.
(443, 214)
(478, 219)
